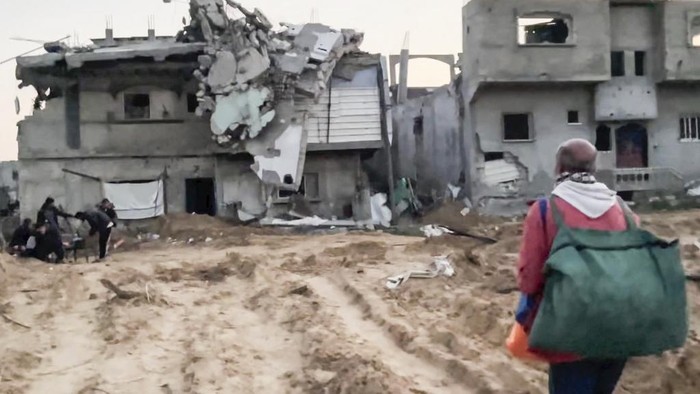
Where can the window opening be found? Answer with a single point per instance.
(694, 30)
(603, 138)
(617, 63)
(690, 128)
(516, 127)
(573, 118)
(639, 63)
(137, 106)
(544, 29)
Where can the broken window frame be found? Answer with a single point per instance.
(576, 122)
(689, 128)
(130, 115)
(694, 29)
(521, 31)
(530, 126)
(283, 195)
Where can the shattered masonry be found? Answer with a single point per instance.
(249, 71)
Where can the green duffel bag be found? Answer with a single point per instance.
(611, 294)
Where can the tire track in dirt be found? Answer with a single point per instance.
(376, 341)
(472, 363)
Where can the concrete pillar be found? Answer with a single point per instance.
(403, 77)
(109, 35)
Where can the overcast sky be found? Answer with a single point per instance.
(435, 27)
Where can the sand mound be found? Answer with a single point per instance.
(366, 251)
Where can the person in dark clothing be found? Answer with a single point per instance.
(107, 207)
(39, 248)
(49, 213)
(100, 224)
(18, 244)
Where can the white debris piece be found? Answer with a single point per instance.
(286, 163)
(242, 108)
(326, 43)
(308, 221)
(434, 230)
(440, 266)
(694, 192)
(453, 190)
(381, 214)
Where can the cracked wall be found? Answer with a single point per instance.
(548, 107)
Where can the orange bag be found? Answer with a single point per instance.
(518, 346)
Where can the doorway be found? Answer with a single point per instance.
(632, 143)
(200, 196)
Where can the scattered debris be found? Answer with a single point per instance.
(434, 230)
(121, 294)
(13, 321)
(441, 266)
(300, 290)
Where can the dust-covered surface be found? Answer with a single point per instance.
(283, 313)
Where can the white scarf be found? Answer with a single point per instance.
(591, 199)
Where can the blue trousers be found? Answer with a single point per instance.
(585, 377)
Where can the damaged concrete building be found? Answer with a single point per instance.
(624, 74)
(429, 145)
(233, 117)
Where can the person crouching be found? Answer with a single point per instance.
(100, 224)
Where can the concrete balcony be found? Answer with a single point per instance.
(643, 179)
(620, 99)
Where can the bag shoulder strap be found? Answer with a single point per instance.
(558, 219)
(543, 212)
(629, 215)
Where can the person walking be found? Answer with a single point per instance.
(582, 203)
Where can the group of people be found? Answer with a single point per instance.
(43, 240)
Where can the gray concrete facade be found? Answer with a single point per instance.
(83, 135)
(626, 78)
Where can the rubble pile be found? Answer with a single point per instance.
(248, 68)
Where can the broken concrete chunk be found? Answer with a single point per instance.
(291, 62)
(205, 61)
(223, 71)
(241, 108)
(279, 45)
(325, 44)
(213, 11)
(251, 65)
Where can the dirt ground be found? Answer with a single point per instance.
(213, 309)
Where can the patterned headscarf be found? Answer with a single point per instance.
(578, 177)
